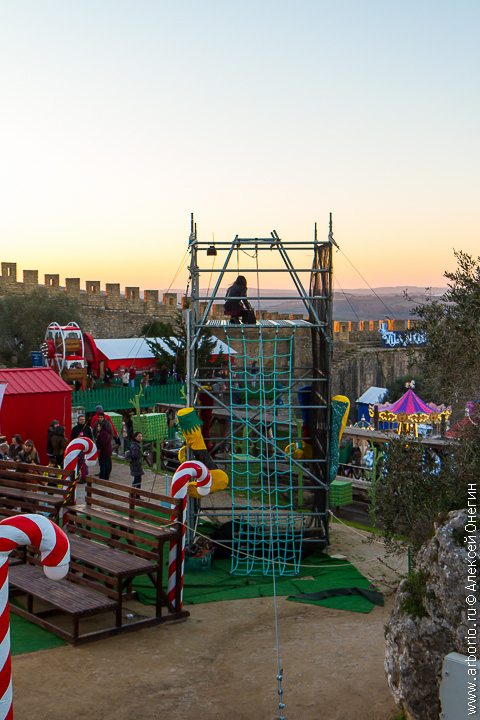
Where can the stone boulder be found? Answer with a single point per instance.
(428, 620)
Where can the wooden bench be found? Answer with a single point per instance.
(117, 535)
(60, 596)
(28, 488)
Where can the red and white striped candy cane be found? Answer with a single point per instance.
(74, 448)
(187, 472)
(54, 549)
(70, 459)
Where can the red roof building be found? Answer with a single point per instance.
(33, 398)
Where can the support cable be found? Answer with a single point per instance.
(281, 704)
(389, 310)
(346, 298)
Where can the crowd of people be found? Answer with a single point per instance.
(100, 429)
(127, 376)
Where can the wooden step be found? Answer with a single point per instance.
(69, 597)
(107, 558)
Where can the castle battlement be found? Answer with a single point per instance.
(93, 299)
(91, 295)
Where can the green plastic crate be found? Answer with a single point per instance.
(153, 426)
(340, 493)
(116, 419)
(197, 564)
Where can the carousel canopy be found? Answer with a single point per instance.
(409, 404)
(410, 410)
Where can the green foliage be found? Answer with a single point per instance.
(451, 360)
(416, 588)
(166, 352)
(397, 387)
(409, 494)
(24, 320)
(173, 345)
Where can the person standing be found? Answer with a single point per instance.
(100, 415)
(132, 374)
(82, 428)
(163, 375)
(107, 377)
(103, 440)
(125, 378)
(54, 424)
(136, 458)
(58, 442)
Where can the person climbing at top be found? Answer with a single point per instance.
(236, 305)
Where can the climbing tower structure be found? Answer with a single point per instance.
(270, 401)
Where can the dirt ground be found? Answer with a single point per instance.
(221, 663)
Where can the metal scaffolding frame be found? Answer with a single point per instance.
(309, 477)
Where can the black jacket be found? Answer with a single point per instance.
(58, 443)
(235, 291)
(82, 431)
(136, 458)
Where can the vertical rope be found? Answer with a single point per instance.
(281, 704)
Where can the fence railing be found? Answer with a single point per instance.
(118, 398)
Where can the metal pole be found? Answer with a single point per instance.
(188, 359)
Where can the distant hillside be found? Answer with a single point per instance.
(358, 304)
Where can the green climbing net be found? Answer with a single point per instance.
(267, 532)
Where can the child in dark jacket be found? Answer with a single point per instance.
(136, 457)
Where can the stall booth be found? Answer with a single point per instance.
(33, 397)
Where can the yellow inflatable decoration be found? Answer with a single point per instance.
(345, 402)
(300, 450)
(190, 426)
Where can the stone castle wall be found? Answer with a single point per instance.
(355, 367)
(108, 313)
(358, 359)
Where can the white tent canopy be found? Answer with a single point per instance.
(121, 348)
(373, 395)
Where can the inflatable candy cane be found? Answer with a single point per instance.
(188, 471)
(74, 448)
(54, 548)
(72, 453)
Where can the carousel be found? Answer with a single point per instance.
(410, 411)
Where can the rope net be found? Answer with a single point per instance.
(267, 532)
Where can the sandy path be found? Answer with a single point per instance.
(221, 664)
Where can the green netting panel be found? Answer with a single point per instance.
(153, 426)
(262, 421)
(259, 545)
(116, 419)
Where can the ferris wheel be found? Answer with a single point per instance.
(65, 349)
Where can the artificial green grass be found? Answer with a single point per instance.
(318, 572)
(26, 637)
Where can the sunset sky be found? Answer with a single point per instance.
(120, 117)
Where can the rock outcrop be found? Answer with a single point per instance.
(428, 621)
